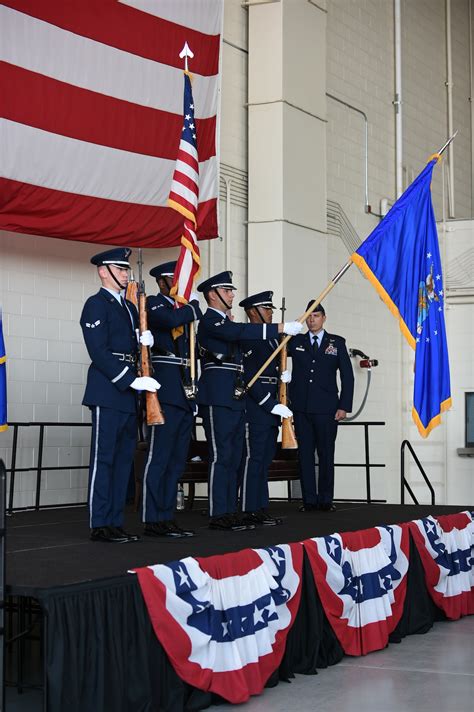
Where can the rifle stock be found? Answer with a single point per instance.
(288, 437)
(154, 414)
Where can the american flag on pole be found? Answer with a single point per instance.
(184, 196)
(361, 578)
(446, 548)
(224, 620)
(91, 117)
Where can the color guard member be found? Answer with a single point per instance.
(263, 413)
(220, 393)
(109, 325)
(169, 443)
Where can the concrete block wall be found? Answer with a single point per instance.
(44, 283)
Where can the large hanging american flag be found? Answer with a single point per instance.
(361, 578)
(446, 548)
(91, 117)
(223, 620)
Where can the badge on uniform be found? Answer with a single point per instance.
(92, 326)
(219, 323)
(331, 350)
(157, 306)
(299, 348)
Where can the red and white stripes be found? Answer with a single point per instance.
(91, 117)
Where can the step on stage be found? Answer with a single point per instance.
(99, 650)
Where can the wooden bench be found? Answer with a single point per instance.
(284, 468)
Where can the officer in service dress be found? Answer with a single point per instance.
(262, 418)
(109, 325)
(318, 405)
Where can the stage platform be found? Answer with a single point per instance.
(51, 548)
(73, 607)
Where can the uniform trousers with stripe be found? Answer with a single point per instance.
(316, 432)
(165, 463)
(225, 430)
(259, 450)
(114, 437)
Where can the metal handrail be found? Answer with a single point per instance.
(367, 464)
(403, 481)
(39, 468)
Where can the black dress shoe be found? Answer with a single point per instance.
(174, 526)
(228, 523)
(260, 519)
(129, 537)
(160, 529)
(108, 534)
(167, 528)
(330, 507)
(238, 521)
(308, 508)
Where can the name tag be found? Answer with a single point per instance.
(300, 348)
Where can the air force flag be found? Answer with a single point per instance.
(223, 620)
(361, 579)
(401, 259)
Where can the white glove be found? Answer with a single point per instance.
(282, 411)
(145, 383)
(292, 328)
(146, 338)
(285, 377)
(194, 297)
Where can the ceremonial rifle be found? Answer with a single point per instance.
(154, 414)
(288, 438)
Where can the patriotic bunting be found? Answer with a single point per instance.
(446, 547)
(224, 620)
(361, 579)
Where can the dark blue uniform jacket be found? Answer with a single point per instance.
(314, 388)
(107, 328)
(162, 319)
(222, 337)
(263, 395)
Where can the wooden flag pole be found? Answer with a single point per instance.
(301, 319)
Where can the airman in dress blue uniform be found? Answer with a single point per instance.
(169, 443)
(220, 390)
(318, 406)
(109, 324)
(263, 413)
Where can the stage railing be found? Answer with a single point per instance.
(404, 484)
(366, 464)
(39, 468)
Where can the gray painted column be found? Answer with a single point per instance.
(287, 242)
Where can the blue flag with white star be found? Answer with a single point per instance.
(401, 259)
(3, 380)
